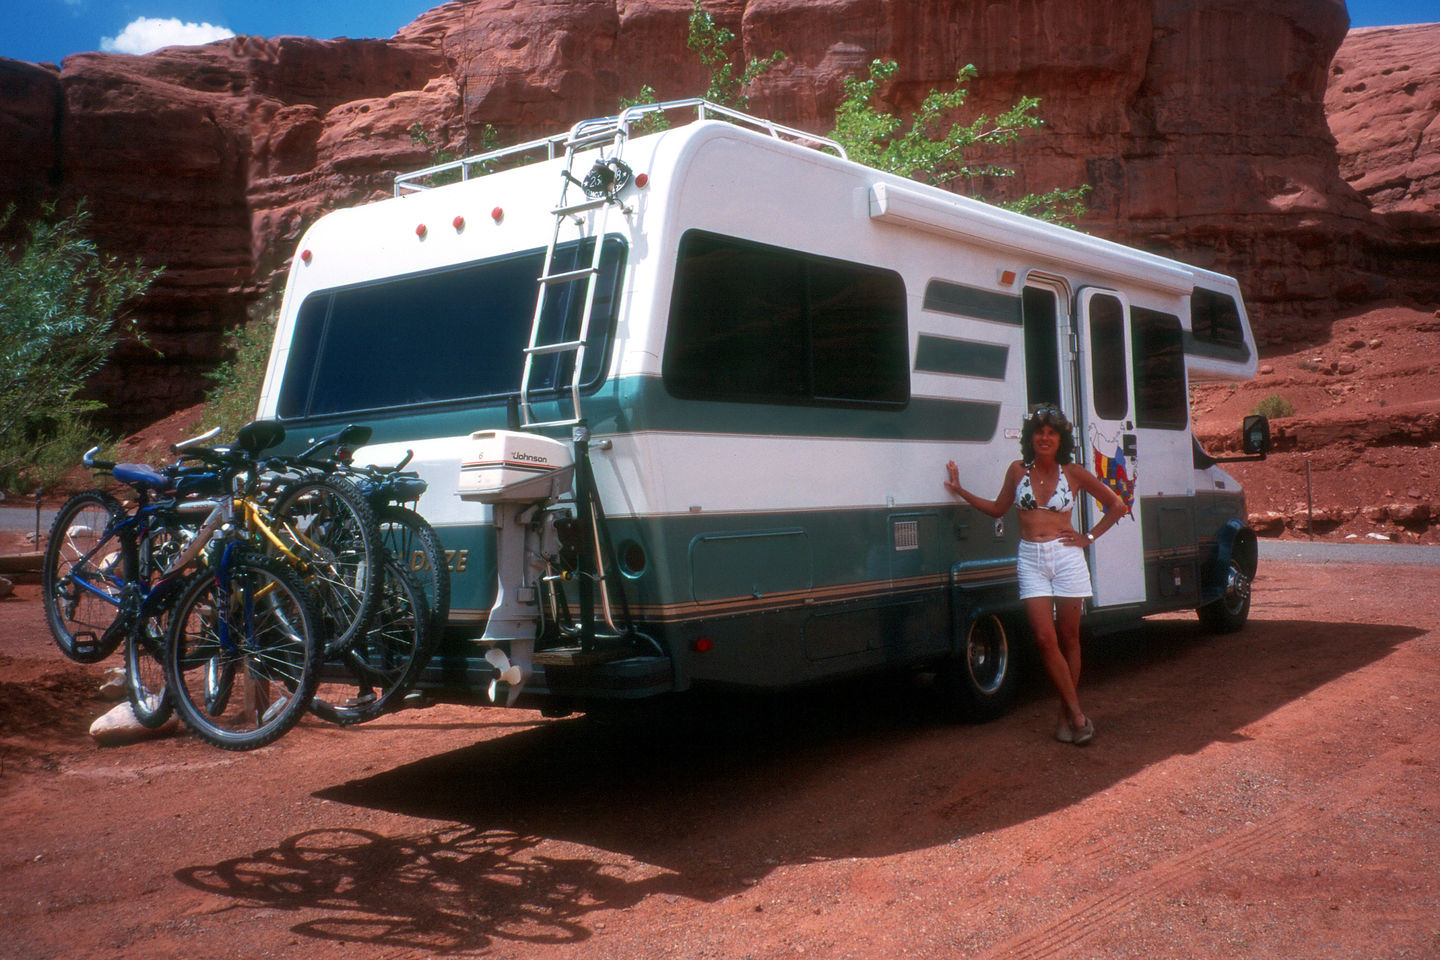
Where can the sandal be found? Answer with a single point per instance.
(1083, 735)
(1064, 732)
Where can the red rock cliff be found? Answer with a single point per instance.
(1200, 125)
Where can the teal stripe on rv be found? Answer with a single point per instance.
(635, 404)
(965, 358)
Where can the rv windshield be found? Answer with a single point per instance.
(447, 335)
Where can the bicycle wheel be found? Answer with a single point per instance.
(84, 575)
(409, 538)
(243, 656)
(336, 537)
(145, 646)
(145, 677)
(374, 674)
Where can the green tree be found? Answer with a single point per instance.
(62, 313)
(933, 148)
(711, 42)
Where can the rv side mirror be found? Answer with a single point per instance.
(1255, 435)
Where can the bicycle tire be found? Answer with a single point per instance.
(145, 680)
(337, 527)
(380, 667)
(409, 537)
(86, 626)
(277, 646)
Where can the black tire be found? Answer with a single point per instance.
(240, 682)
(145, 676)
(145, 646)
(408, 537)
(979, 684)
(1230, 612)
(336, 528)
(87, 626)
(373, 675)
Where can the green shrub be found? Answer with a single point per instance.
(1274, 406)
(62, 313)
(232, 401)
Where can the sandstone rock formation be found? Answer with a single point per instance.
(1200, 126)
(1383, 106)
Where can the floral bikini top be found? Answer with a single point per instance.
(1060, 501)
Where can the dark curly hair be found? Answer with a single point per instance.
(1047, 415)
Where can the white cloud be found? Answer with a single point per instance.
(145, 34)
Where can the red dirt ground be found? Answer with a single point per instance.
(1271, 793)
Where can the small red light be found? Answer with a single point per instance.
(305, 255)
(421, 230)
(1007, 277)
(459, 224)
(497, 214)
(641, 179)
(702, 645)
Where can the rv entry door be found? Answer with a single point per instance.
(1105, 431)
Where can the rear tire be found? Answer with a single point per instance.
(87, 626)
(373, 675)
(337, 529)
(979, 684)
(409, 538)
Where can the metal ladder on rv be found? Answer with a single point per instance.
(599, 189)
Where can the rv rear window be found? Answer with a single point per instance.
(1158, 351)
(1215, 318)
(442, 336)
(758, 324)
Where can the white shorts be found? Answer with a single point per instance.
(1051, 569)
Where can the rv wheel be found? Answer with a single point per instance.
(979, 683)
(1232, 609)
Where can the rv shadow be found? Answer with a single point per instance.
(548, 824)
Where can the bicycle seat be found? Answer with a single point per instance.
(141, 477)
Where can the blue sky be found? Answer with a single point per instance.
(49, 30)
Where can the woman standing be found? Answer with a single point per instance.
(1054, 578)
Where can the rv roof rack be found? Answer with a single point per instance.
(600, 130)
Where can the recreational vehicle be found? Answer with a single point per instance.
(684, 401)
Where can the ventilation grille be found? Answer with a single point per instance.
(907, 535)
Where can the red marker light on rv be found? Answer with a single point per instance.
(458, 223)
(305, 255)
(421, 230)
(702, 644)
(641, 179)
(497, 214)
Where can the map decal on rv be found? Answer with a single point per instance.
(1114, 473)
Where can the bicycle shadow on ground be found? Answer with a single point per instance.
(552, 823)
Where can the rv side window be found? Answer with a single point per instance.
(1158, 351)
(1107, 345)
(1215, 318)
(760, 324)
(448, 335)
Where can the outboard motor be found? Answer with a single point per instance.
(519, 475)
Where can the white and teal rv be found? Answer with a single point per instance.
(684, 401)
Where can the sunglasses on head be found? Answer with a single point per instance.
(1049, 415)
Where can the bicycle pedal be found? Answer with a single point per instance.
(86, 644)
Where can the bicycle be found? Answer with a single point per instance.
(383, 664)
(104, 577)
(244, 617)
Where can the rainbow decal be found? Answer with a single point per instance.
(1112, 473)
